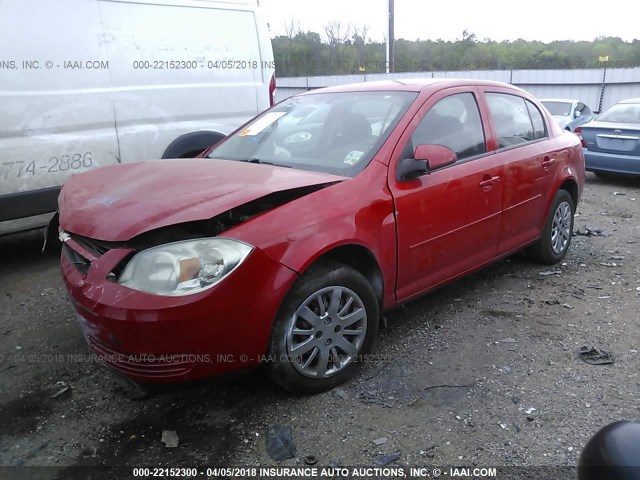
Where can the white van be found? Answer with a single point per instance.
(88, 83)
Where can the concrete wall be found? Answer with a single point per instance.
(599, 88)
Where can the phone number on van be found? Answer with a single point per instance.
(56, 164)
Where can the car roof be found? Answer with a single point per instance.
(563, 100)
(410, 85)
(630, 100)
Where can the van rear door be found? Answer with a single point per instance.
(57, 118)
(180, 67)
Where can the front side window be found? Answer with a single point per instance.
(336, 133)
(511, 119)
(453, 122)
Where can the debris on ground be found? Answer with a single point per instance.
(310, 460)
(595, 356)
(88, 452)
(422, 452)
(170, 438)
(386, 459)
(551, 272)
(380, 441)
(341, 393)
(280, 444)
(591, 232)
(60, 392)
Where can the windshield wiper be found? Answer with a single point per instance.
(263, 162)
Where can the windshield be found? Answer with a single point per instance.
(621, 113)
(562, 109)
(335, 133)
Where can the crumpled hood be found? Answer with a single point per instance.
(118, 202)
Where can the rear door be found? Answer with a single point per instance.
(520, 137)
(448, 220)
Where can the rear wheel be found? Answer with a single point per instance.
(327, 322)
(556, 236)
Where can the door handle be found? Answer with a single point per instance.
(488, 182)
(547, 162)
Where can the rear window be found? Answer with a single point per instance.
(621, 113)
(561, 109)
(511, 119)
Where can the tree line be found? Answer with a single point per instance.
(347, 49)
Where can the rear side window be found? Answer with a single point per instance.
(621, 113)
(537, 120)
(511, 119)
(453, 122)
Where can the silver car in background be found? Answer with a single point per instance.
(568, 113)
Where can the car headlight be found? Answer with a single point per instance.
(183, 268)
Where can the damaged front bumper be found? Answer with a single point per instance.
(160, 339)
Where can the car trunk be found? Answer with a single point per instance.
(622, 138)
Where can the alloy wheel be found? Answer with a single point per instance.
(327, 332)
(561, 228)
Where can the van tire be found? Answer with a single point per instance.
(191, 144)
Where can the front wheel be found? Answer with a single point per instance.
(556, 235)
(327, 322)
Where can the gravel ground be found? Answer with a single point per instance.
(482, 372)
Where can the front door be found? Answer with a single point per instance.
(448, 221)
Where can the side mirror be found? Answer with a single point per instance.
(426, 158)
(437, 156)
(410, 169)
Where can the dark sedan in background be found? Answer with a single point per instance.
(612, 140)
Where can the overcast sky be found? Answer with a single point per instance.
(544, 20)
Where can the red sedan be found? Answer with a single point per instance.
(282, 245)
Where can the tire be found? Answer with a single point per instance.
(303, 363)
(552, 246)
(191, 144)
